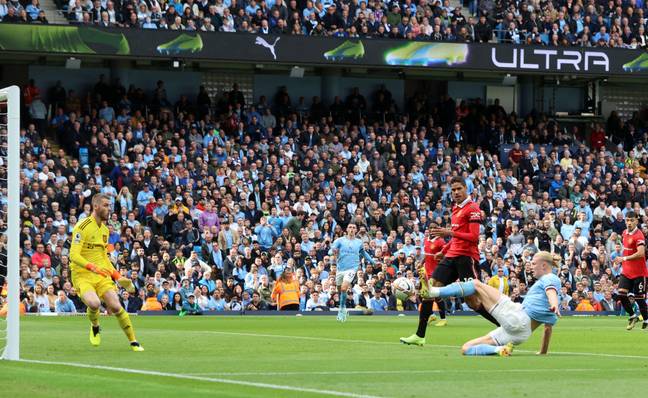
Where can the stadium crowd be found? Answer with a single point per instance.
(216, 200)
(22, 11)
(612, 23)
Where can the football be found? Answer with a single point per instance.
(403, 288)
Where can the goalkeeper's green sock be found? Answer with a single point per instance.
(126, 325)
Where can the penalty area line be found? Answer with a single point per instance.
(444, 346)
(398, 372)
(202, 378)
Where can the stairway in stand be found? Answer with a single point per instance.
(52, 13)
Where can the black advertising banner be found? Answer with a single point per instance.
(244, 47)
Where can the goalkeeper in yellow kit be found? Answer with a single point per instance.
(94, 276)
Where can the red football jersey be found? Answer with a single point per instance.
(430, 248)
(634, 268)
(466, 218)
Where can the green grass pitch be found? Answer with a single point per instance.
(315, 357)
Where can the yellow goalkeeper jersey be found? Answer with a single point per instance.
(89, 242)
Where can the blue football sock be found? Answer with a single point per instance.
(343, 298)
(482, 349)
(458, 289)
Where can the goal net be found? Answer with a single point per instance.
(9, 222)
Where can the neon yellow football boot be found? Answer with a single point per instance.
(95, 336)
(413, 340)
(135, 346)
(506, 350)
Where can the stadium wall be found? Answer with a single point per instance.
(177, 83)
(326, 86)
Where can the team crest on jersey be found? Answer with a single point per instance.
(105, 238)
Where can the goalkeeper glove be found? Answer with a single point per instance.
(127, 284)
(93, 268)
(122, 281)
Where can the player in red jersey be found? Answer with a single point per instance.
(432, 245)
(634, 271)
(458, 257)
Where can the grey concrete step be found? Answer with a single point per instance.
(53, 15)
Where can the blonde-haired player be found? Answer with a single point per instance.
(94, 276)
(540, 307)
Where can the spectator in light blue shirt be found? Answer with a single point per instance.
(265, 233)
(186, 289)
(308, 10)
(378, 303)
(583, 207)
(33, 10)
(598, 293)
(583, 224)
(165, 290)
(216, 255)
(470, 187)
(107, 112)
(251, 8)
(177, 4)
(306, 244)
(417, 175)
(143, 198)
(602, 35)
(239, 273)
(567, 230)
(47, 271)
(109, 190)
(4, 10)
(208, 282)
(216, 302)
(408, 248)
(209, 138)
(161, 210)
(123, 117)
(148, 24)
(276, 220)
(63, 304)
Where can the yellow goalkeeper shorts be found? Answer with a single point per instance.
(85, 281)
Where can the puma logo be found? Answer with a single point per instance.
(262, 42)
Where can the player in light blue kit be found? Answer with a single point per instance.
(540, 307)
(347, 251)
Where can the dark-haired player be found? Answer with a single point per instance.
(460, 256)
(634, 271)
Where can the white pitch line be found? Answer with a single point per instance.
(596, 354)
(311, 338)
(202, 378)
(328, 339)
(396, 372)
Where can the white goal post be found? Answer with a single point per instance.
(10, 156)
